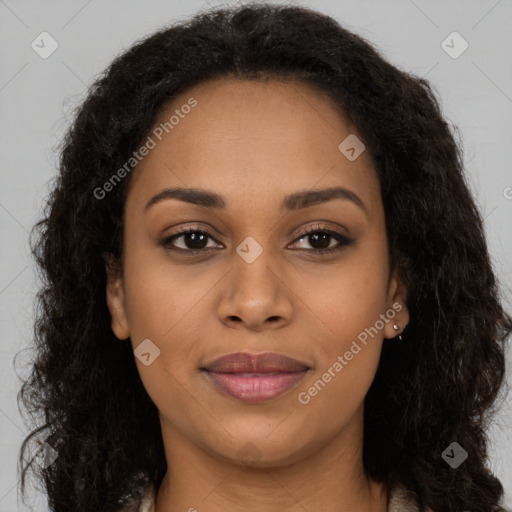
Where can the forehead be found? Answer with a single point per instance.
(252, 141)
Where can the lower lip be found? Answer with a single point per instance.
(255, 387)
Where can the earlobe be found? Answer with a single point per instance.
(116, 303)
(397, 296)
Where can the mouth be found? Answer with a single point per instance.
(255, 378)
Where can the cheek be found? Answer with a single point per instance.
(355, 292)
(349, 306)
(160, 310)
(158, 294)
(347, 359)
(167, 306)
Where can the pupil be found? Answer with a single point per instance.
(325, 241)
(196, 237)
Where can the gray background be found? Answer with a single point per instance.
(37, 97)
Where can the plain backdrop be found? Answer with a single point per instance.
(37, 96)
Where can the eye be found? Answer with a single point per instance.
(195, 241)
(321, 237)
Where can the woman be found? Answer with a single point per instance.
(267, 283)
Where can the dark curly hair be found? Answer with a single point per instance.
(440, 385)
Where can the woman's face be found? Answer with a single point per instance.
(268, 151)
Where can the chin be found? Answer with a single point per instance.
(263, 452)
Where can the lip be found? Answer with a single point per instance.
(255, 378)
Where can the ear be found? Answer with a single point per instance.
(115, 298)
(396, 301)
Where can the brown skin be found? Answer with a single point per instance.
(254, 143)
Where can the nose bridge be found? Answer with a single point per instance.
(256, 291)
(252, 267)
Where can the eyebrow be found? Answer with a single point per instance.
(292, 202)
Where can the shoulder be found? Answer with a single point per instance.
(148, 503)
(403, 500)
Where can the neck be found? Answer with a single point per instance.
(330, 479)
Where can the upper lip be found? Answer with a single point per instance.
(243, 362)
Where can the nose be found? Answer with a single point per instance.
(256, 295)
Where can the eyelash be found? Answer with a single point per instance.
(342, 240)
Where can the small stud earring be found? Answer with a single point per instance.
(395, 326)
